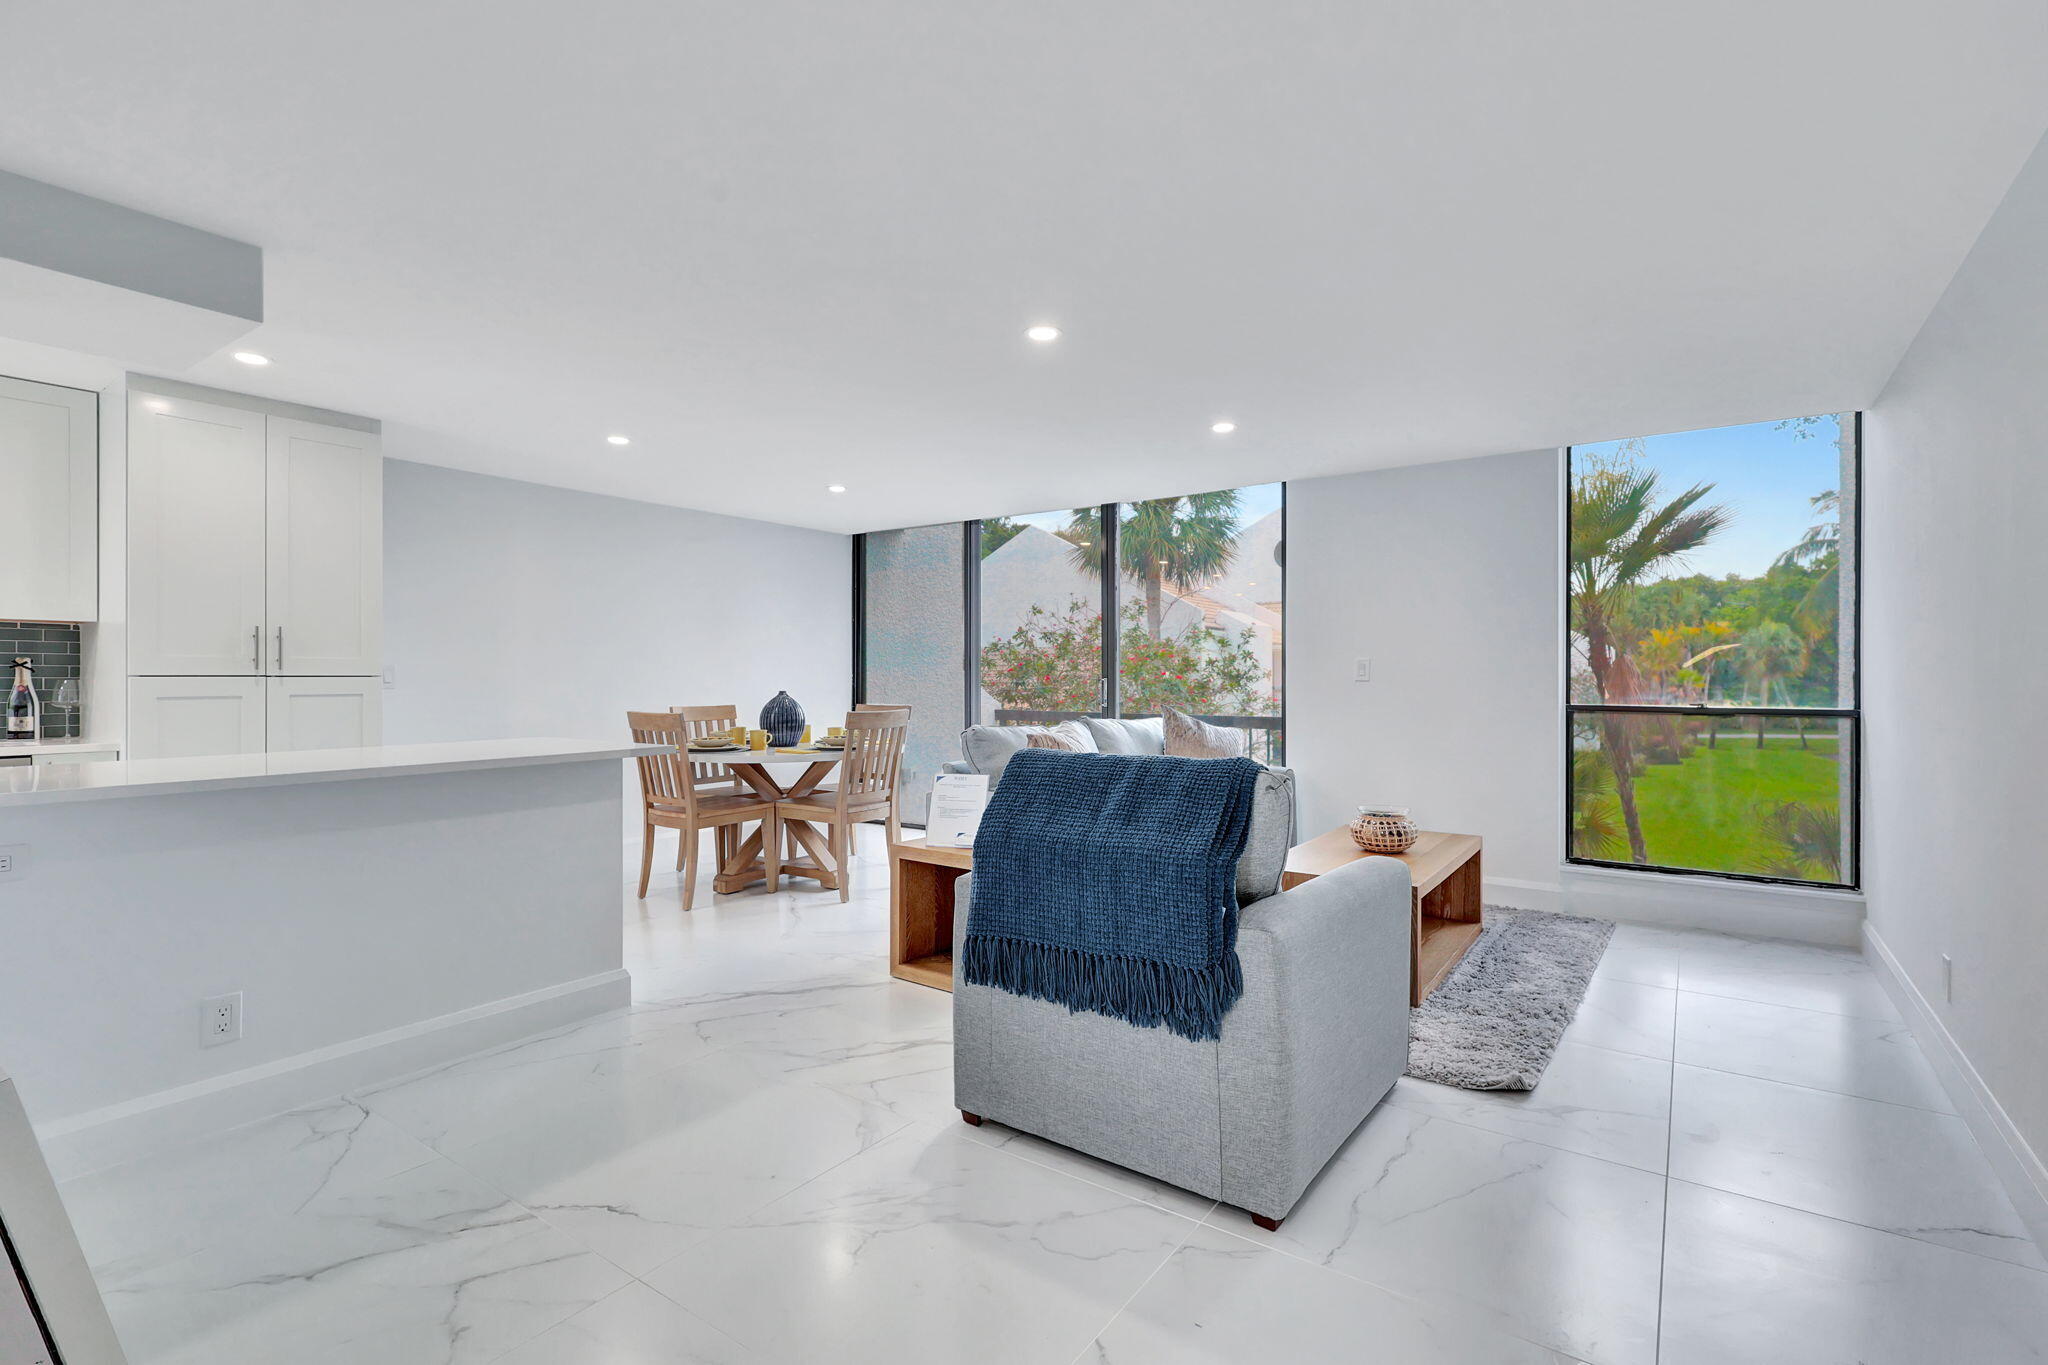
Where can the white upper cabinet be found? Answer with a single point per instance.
(325, 587)
(195, 538)
(49, 502)
(255, 544)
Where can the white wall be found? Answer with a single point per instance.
(518, 610)
(1446, 577)
(1956, 559)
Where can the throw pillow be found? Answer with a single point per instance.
(1187, 737)
(1068, 735)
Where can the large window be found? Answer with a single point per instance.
(1711, 712)
(1116, 610)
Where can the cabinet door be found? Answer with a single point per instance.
(326, 713)
(49, 502)
(326, 582)
(195, 538)
(194, 717)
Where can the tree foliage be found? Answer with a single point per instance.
(1053, 662)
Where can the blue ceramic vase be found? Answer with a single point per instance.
(783, 719)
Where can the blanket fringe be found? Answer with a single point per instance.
(1190, 1001)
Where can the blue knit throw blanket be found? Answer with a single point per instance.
(1108, 883)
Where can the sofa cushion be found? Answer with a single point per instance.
(1146, 736)
(1070, 736)
(987, 748)
(1269, 836)
(1187, 737)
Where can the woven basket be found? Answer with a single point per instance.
(1383, 829)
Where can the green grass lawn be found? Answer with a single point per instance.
(1697, 813)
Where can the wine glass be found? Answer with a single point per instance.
(65, 700)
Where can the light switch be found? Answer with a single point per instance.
(1362, 671)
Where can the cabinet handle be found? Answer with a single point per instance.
(255, 649)
(280, 649)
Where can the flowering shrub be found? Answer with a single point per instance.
(1053, 662)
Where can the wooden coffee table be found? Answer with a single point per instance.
(1444, 895)
(921, 881)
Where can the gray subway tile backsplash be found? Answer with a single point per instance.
(53, 651)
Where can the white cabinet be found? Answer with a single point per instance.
(325, 713)
(49, 502)
(202, 717)
(195, 717)
(256, 581)
(255, 543)
(325, 587)
(195, 538)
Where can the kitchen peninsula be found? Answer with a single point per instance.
(369, 912)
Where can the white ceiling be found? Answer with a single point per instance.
(783, 245)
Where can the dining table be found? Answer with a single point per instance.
(788, 773)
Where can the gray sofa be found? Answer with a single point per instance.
(1319, 1036)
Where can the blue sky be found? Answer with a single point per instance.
(1762, 474)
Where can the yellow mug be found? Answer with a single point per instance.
(806, 737)
(738, 733)
(757, 740)
(835, 732)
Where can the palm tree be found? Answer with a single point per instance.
(1621, 533)
(1167, 542)
(1771, 652)
(1820, 548)
(1808, 841)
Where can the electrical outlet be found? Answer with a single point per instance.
(1361, 671)
(1948, 978)
(13, 861)
(220, 1020)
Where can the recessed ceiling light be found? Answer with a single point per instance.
(1223, 428)
(620, 440)
(156, 405)
(835, 488)
(1043, 332)
(251, 358)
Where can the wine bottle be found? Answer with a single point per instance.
(24, 709)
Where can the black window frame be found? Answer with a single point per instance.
(1111, 707)
(1852, 714)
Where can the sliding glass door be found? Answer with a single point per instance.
(1201, 610)
(1039, 639)
(1117, 610)
(911, 643)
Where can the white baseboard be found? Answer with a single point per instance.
(1522, 894)
(1667, 901)
(105, 1137)
(2018, 1165)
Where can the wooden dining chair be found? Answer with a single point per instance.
(671, 799)
(715, 779)
(868, 777)
(895, 819)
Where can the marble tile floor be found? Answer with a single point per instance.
(1738, 1155)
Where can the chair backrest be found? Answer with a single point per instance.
(665, 778)
(882, 706)
(700, 721)
(874, 755)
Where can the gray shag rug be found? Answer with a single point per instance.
(1494, 1022)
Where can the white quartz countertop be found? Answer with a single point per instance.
(172, 776)
(53, 746)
